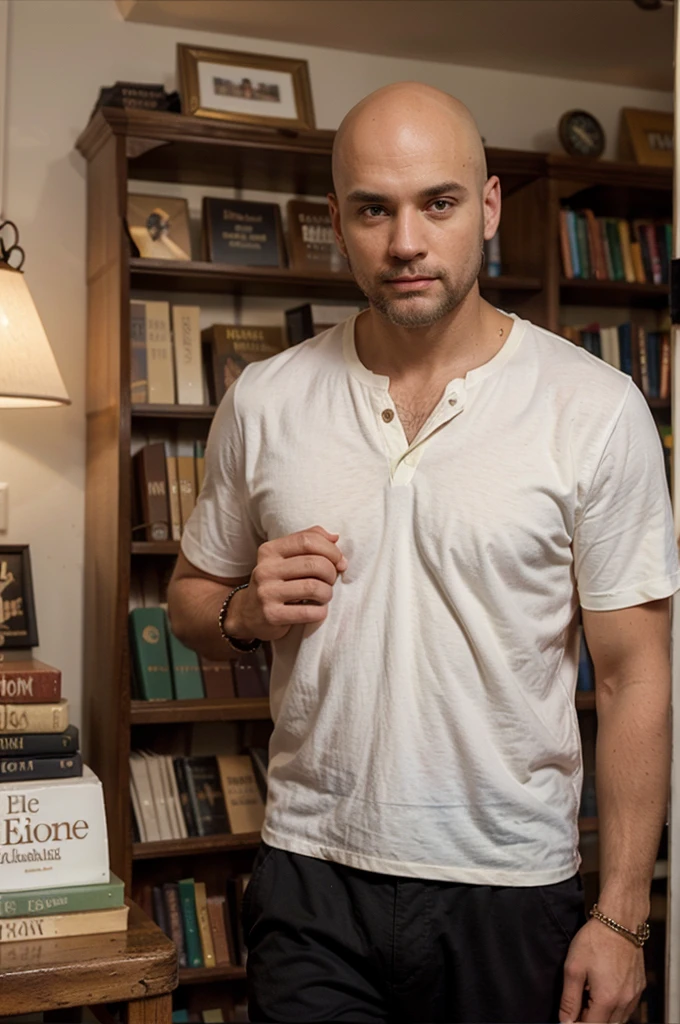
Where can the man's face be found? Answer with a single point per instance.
(412, 217)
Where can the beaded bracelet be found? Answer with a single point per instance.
(245, 646)
(638, 937)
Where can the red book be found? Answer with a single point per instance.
(29, 682)
(657, 276)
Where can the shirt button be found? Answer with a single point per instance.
(388, 415)
(453, 401)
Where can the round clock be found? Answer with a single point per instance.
(581, 134)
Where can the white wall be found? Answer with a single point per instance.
(61, 52)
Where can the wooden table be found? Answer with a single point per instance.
(137, 968)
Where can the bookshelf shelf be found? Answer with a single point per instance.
(195, 276)
(510, 283)
(155, 547)
(199, 975)
(586, 292)
(173, 412)
(195, 845)
(237, 709)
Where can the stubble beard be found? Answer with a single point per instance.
(395, 309)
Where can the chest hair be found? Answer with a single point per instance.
(414, 409)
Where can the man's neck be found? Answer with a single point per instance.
(466, 338)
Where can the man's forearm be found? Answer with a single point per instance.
(194, 606)
(632, 763)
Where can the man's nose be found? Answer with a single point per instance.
(407, 241)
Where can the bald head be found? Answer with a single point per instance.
(406, 121)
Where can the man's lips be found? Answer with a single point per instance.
(409, 284)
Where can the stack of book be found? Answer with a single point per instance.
(614, 249)
(179, 797)
(54, 858)
(165, 669)
(206, 929)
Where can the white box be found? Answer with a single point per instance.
(53, 833)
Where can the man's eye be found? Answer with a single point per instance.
(441, 205)
(373, 211)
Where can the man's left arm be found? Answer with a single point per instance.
(630, 648)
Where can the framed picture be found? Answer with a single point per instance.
(248, 88)
(18, 626)
(159, 226)
(647, 137)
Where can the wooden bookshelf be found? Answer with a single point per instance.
(121, 146)
(201, 975)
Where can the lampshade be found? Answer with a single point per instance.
(28, 371)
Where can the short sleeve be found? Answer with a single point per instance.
(219, 536)
(624, 544)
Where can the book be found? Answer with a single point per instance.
(192, 943)
(65, 742)
(29, 681)
(638, 266)
(245, 808)
(186, 479)
(626, 348)
(204, 932)
(597, 258)
(159, 360)
(142, 799)
(53, 833)
(583, 247)
(149, 647)
(159, 913)
(91, 922)
(251, 674)
(67, 899)
(242, 233)
(179, 768)
(40, 767)
(565, 252)
(199, 462)
(139, 384)
(214, 1015)
(232, 348)
(174, 915)
(218, 680)
(187, 347)
(215, 906)
(187, 681)
(311, 239)
(573, 244)
(206, 796)
(642, 356)
(173, 492)
(152, 489)
(158, 794)
(51, 717)
(665, 368)
(612, 230)
(173, 798)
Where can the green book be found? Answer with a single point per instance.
(614, 240)
(192, 940)
(582, 243)
(184, 668)
(149, 645)
(68, 899)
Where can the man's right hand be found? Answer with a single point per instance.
(292, 583)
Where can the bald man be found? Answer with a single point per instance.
(415, 508)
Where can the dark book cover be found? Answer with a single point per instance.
(149, 648)
(29, 681)
(173, 912)
(311, 239)
(299, 324)
(232, 348)
(31, 769)
(14, 744)
(183, 788)
(159, 914)
(192, 941)
(205, 795)
(218, 679)
(243, 233)
(251, 674)
(152, 488)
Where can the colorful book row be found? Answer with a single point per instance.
(178, 797)
(644, 355)
(165, 669)
(614, 249)
(206, 929)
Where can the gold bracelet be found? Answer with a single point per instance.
(638, 937)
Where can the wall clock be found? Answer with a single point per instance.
(581, 134)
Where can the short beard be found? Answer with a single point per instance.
(454, 295)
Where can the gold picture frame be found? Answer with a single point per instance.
(282, 99)
(647, 137)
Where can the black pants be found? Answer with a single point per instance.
(326, 942)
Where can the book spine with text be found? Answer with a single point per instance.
(66, 742)
(67, 900)
(34, 717)
(29, 685)
(192, 942)
(94, 922)
(27, 768)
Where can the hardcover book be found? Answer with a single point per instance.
(185, 668)
(204, 932)
(245, 809)
(66, 900)
(187, 345)
(29, 682)
(233, 348)
(192, 942)
(44, 767)
(311, 239)
(206, 796)
(159, 361)
(173, 492)
(94, 922)
(139, 383)
(53, 834)
(217, 927)
(65, 742)
(154, 507)
(34, 717)
(242, 233)
(218, 679)
(180, 769)
(174, 915)
(150, 653)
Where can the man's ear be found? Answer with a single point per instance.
(334, 208)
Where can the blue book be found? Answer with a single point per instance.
(653, 361)
(573, 243)
(626, 348)
(585, 681)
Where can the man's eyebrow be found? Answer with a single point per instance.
(360, 196)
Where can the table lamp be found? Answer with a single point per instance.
(29, 376)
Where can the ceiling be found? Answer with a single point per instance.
(591, 40)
